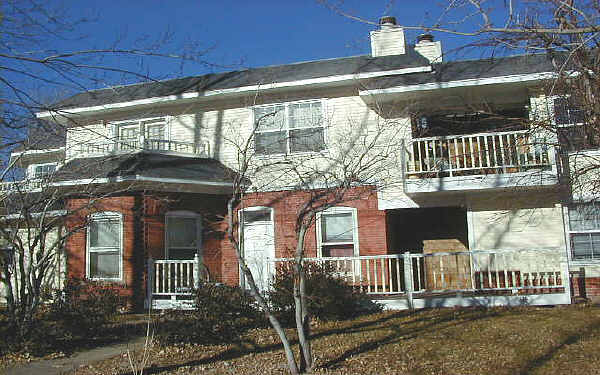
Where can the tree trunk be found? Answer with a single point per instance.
(302, 317)
(291, 360)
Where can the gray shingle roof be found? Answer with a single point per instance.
(469, 69)
(444, 72)
(249, 77)
(146, 165)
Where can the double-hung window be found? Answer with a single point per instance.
(128, 134)
(184, 235)
(337, 232)
(105, 246)
(584, 231)
(43, 170)
(289, 128)
(570, 122)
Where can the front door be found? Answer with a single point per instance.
(258, 244)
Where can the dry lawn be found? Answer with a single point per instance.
(530, 340)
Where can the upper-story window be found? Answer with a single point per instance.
(129, 134)
(566, 112)
(43, 170)
(572, 130)
(289, 128)
(584, 231)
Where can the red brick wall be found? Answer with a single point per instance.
(588, 287)
(132, 254)
(143, 231)
(286, 205)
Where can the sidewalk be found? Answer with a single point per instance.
(63, 365)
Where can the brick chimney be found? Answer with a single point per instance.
(389, 39)
(429, 49)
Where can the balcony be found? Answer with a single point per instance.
(478, 161)
(142, 144)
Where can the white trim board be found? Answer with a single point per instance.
(233, 91)
(461, 83)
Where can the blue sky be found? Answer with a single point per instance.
(248, 33)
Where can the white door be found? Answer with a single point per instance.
(258, 244)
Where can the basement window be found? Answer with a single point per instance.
(289, 128)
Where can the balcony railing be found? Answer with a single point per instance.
(23, 185)
(143, 144)
(476, 154)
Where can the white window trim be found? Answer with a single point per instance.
(31, 169)
(185, 214)
(569, 232)
(319, 231)
(552, 111)
(286, 106)
(241, 225)
(101, 216)
(141, 123)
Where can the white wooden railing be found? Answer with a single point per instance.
(143, 144)
(530, 271)
(482, 153)
(168, 280)
(23, 185)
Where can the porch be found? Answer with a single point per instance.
(408, 280)
(477, 161)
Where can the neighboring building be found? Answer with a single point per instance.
(461, 174)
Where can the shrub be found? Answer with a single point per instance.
(222, 313)
(329, 297)
(83, 306)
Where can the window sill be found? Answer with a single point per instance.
(324, 152)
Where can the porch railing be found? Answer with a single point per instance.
(169, 279)
(23, 185)
(482, 153)
(143, 144)
(528, 271)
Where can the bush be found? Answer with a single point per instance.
(76, 315)
(222, 314)
(83, 306)
(329, 297)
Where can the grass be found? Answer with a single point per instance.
(527, 340)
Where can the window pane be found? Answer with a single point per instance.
(155, 131)
(42, 171)
(181, 254)
(302, 140)
(337, 227)
(104, 233)
(270, 118)
(304, 115)
(270, 143)
(182, 232)
(584, 217)
(250, 217)
(338, 251)
(104, 265)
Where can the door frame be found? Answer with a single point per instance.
(242, 279)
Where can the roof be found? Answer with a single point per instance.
(470, 69)
(443, 72)
(146, 165)
(248, 77)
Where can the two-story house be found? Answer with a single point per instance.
(461, 196)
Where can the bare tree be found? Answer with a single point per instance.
(568, 33)
(360, 158)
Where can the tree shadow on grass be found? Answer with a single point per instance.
(433, 323)
(538, 362)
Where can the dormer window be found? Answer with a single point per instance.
(289, 128)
